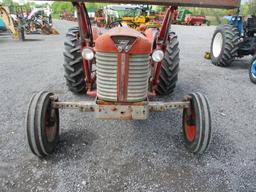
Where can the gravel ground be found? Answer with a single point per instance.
(97, 155)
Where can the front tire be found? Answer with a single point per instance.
(197, 124)
(170, 67)
(224, 46)
(42, 123)
(252, 71)
(73, 65)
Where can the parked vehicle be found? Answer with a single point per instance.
(234, 40)
(14, 27)
(122, 68)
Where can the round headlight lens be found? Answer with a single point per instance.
(158, 55)
(87, 54)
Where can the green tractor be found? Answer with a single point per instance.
(182, 15)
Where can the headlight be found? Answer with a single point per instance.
(87, 54)
(158, 55)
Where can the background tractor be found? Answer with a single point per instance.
(234, 40)
(123, 69)
(182, 15)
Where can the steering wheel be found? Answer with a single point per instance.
(111, 25)
(133, 24)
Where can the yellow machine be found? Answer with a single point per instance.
(133, 16)
(4, 14)
(137, 19)
(143, 18)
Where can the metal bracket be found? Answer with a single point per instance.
(164, 106)
(121, 111)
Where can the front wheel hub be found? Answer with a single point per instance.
(190, 125)
(217, 45)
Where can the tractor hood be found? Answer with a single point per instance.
(122, 39)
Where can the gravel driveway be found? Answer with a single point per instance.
(96, 155)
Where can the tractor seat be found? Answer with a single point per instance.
(251, 24)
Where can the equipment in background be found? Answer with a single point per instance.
(39, 22)
(14, 27)
(234, 40)
(186, 17)
(99, 18)
(68, 16)
(134, 16)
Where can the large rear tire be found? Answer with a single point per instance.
(224, 46)
(73, 65)
(170, 67)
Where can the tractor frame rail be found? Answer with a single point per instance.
(137, 111)
(225, 4)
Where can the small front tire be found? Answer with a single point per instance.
(197, 124)
(42, 123)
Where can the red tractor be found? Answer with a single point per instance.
(122, 68)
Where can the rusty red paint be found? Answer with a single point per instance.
(100, 102)
(161, 44)
(190, 125)
(140, 46)
(91, 93)
(84, 30)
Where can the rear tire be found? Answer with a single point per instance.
(73, 65)
(225, 45)
(170, 67)
(197, 124)
(252, 71)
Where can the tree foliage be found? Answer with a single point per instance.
(249, 8)
(60, 7)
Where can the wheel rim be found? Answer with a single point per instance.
(217, 45)
(190, 125)
(50, 125)
(253, 69)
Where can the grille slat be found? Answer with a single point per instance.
(138, 74)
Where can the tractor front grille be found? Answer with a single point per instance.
(107, 77)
